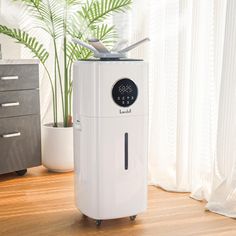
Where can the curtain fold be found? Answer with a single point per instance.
(184, 102)
(223, 192)
(192, 64)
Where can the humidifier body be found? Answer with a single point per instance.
(110, 106)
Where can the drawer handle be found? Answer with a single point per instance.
(9, 77)
(11, 135)
(10, 104)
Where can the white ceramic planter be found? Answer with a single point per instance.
(57, 148)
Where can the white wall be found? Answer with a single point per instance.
(10, 50)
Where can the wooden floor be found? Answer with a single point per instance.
(42, 203)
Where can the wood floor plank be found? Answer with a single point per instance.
(42, 203)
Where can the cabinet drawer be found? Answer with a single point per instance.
(17, 77)
(19, 143)
(17, 103)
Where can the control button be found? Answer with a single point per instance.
(132, 97)
(118, 98)
(123, 102)
(127, 102)
(123, 98)
(127, 97)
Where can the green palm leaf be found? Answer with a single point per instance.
(49, 15)
(105, 33)
(75, 52)
(63, 19)
(30, 42)
(96, 11)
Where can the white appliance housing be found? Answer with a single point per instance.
(110, 100)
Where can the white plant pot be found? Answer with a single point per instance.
(57, 148)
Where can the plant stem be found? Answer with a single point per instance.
(53, 95)
(65, 67)
(59, 76)
(57, 64)
(55, 85)
(65, 85)
(70, 90)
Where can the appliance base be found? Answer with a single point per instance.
(99, 222)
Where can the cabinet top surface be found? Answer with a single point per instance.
(18, 61)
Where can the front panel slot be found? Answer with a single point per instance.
(126, 151)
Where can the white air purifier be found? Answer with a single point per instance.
(110, 104)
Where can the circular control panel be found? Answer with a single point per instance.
(124, 92)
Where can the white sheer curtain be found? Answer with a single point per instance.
(223, 193)
(192, 138)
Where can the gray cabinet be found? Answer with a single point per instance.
(20, 142)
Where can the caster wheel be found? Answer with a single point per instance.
(21, 172)
(98, 222)
(132, 218)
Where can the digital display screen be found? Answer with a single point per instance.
(124, 92)
(125, 89)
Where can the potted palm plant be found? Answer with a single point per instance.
(62, 20)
